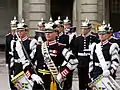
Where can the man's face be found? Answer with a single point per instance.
(42, 27)
(67, 25)
(103, 37)
(51, 36)
(109, 35)
(60, 29)
(22, 33)
(85, 31)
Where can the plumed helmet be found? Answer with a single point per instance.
(59, 22)
(41, 23)
(105, 28)
(49, 27)
(86, 24)
(14, 23)
(51, 21)
(22, 25)
(110, 28)
(66, 21)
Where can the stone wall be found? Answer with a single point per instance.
(33, 11)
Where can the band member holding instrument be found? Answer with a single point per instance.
(50, 56)
(104, 55)
(22, 51)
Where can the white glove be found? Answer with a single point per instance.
(106, 73)
(37, 78)
(59, 77)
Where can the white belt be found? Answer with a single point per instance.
(108, 63)
(97, 64)
(11, 53)
(17, 60)
(83, 54)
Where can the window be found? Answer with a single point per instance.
(115, 6)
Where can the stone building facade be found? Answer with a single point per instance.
(77, 10)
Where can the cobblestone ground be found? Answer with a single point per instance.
(4, 84)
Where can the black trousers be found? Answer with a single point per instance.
(10, 73)
(83, 77)
(68, 82)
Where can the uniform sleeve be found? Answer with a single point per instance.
(33, 45)
(91, 57)
(71, 60)
(74, 46)
(114, 57)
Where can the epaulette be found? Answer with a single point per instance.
(93, 34)
(7, 34)
(61, 44)
(30, 38)
(79, 35)
(110, 42)
(37, 43)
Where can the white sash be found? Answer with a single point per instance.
(100, 56)
(103, 64)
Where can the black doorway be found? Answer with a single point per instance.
(115, 14)
(61, 8)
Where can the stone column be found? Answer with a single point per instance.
(89, 10)
(20, 9)
(101, 10)
(76, 15)
(37, 9)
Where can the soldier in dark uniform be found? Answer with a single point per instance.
(9, 38)
(108, 54)
(39, 35)
(62, 37)
(81, 49)
(66, 40)
(68, 28)
(58, 54)
(112, 38)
